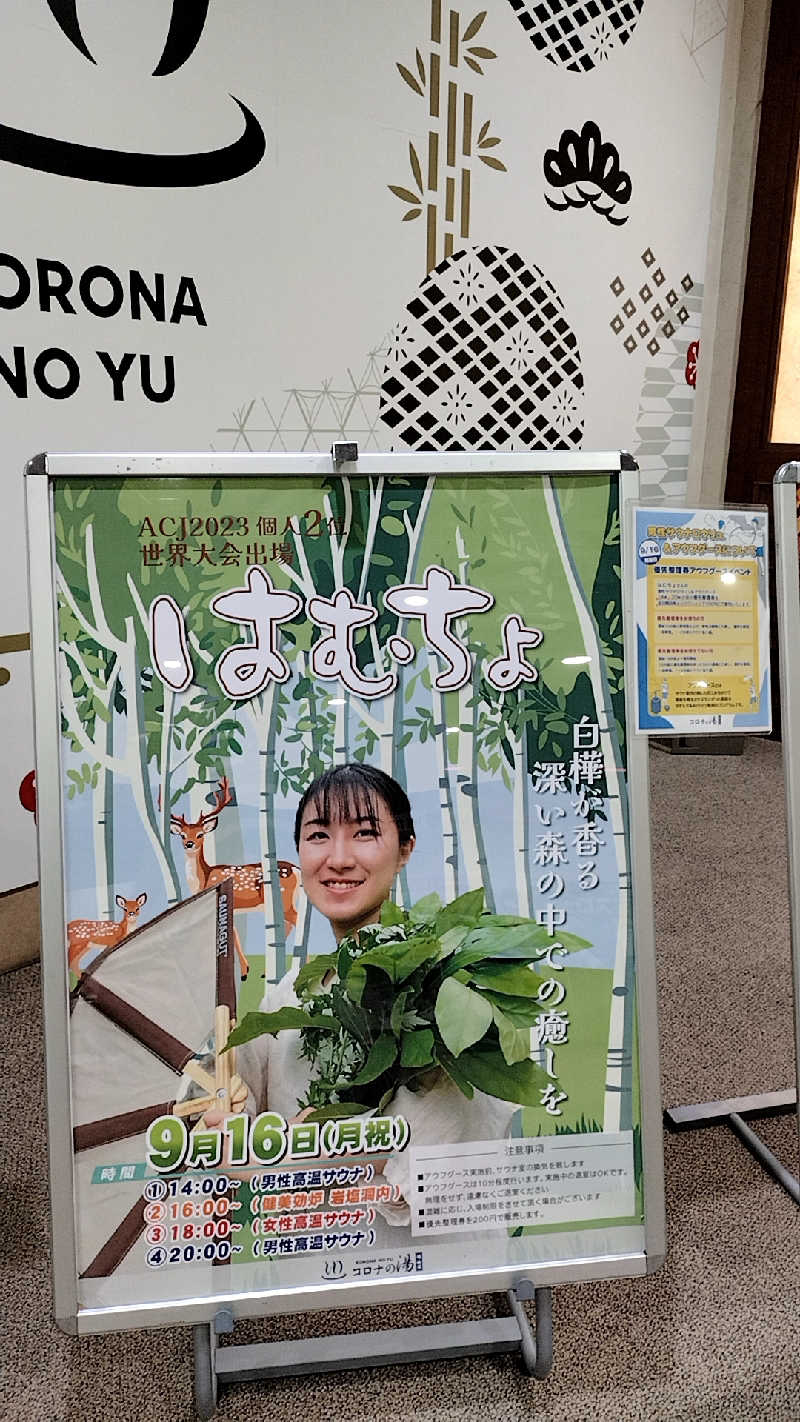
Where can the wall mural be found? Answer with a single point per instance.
(666, 405)
(587, 173)
(578, 36)
(455, 134)
(492, 235)
(483, 355)
(484, 358)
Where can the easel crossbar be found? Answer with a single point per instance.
(381, 1348)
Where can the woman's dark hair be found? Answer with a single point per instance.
(350, 792)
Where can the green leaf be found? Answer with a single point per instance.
(425, 910)
(466, 909)
(490, 1072)
(522, 1011)
(382, 1054)
(515, 1042)
(352, 1017)
(520, 941)
(344, 959)
(399, 960)
(512, 979)
(337, 1111)
(310, 978)
(355, 982)
(462, 1016)
(452, 940)
(258, 1024)
(391, 525)
(451, 1066)
(398, 1009)
(391, 915)
(416, 1048)
(313, 971)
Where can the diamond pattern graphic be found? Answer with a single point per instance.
(578, 36)
(632, 314)
(493, 360)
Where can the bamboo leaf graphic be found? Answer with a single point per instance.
(481, 53)
(411, 214)
(405, 194)
(493, 162)
(473, 64)
(474, 25)
(412, 82)
(483, 130)
(488, 142)
(420, 67)
(415, 165)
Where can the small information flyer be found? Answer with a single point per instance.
(702, 621)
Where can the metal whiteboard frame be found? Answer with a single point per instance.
(787, 576)
(55, 981)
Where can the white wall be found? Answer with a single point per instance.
(313, 289)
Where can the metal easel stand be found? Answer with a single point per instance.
(731, 1113)
(384, 1347)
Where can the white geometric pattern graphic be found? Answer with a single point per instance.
(314, 418)
(492, 360)
(666, 408)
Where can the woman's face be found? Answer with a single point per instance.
(348, 865)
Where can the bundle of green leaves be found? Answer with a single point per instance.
(435, 988)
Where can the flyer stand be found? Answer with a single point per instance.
(209, 633)
(703, 625)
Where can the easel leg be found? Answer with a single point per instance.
(731, 1113)
(205, 1377)
(536, 1349)
(383, 1348)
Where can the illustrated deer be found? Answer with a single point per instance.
(248, 879)
(83, 933)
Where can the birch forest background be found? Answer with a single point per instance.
(494, 776)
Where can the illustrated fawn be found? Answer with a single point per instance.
(248, 879)
(85, 932)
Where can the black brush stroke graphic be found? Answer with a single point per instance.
(138, 170)
(591, 168)
(185, 29)
(186, 25)
(66, 13)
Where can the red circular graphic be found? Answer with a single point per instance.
(692, 355)
(27, 793)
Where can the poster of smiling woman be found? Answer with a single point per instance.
(350, 928)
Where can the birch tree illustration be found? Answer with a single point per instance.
(85, 626)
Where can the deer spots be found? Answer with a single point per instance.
(87, 937)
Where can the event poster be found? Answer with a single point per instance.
(702, 620)
(404, 1045)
